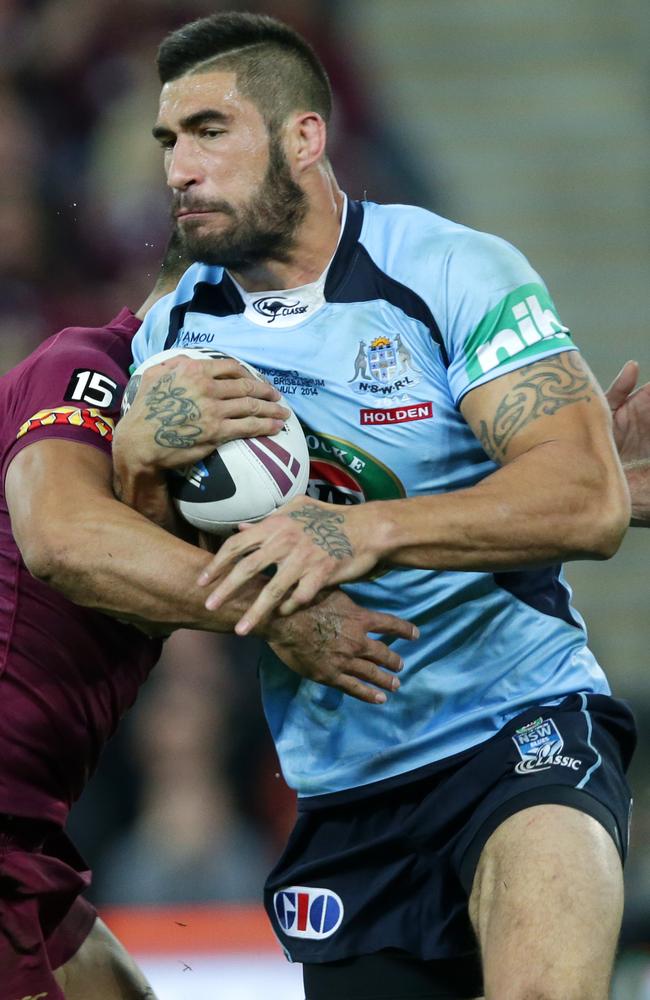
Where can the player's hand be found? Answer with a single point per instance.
(631, 419)
(631, 414)
(185, 407)
(329, 643)
(312, 545)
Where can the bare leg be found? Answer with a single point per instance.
(102, 970)
(546, 905)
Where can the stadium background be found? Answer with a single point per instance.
(525, 119)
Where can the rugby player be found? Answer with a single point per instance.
(71, 555)
(468, 840)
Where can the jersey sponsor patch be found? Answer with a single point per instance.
(540, 747)
(396, 414)
(93, 387)
(71, 416)
(307, 912)
(341, 472)
(523, 324)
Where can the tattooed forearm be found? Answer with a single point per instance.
(324, 531)
(544, 388)
(176, 413)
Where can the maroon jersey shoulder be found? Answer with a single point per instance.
(71, 386)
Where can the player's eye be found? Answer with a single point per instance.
(211, 133)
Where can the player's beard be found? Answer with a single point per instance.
(264, 228)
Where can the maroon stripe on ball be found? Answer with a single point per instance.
(295, 467)
(276, 448)
(281, 478)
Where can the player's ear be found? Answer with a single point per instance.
(305, 139)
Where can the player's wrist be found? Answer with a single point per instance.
(383, 539)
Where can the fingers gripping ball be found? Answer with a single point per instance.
(242, 480)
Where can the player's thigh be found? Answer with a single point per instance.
(546, 904)
(102, 969)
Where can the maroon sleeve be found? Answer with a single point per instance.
(71, 388)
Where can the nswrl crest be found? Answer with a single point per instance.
(385, 363)
(538, 744)
(382, 360)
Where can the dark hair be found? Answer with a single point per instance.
(275, 67)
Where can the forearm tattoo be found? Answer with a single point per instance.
(544, 388)
(176, 412)
(322, 527)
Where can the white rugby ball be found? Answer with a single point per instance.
(243, 480)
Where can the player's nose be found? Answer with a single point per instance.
(183, 168)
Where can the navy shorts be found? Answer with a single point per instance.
(392, 871)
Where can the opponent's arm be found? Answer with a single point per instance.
(559, 494)
(631, 416)
(77, 537)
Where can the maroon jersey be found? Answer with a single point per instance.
(67, 674)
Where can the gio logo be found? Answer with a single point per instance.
(273, 306)
(533, 324)
(305, 912)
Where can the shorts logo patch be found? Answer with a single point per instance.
(305, 912)
(540, 747)
(72, 416)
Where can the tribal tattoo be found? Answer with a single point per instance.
(176, 413)
(324, 531)
(545, 387)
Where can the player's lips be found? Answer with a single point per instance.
(194, 213)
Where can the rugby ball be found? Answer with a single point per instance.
(242, 480)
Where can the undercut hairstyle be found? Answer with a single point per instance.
(275, 67)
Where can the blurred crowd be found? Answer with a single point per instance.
(83, 206)
(188, 803)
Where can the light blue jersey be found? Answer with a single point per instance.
(414, 311)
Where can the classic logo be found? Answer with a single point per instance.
(341, 472)
(540, 744)
(383, 367)
(396, 414)
(273, 306)
(306, 912)
(91, 420)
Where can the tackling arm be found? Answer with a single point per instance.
(77, 537)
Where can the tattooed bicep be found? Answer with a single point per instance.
(540, 389)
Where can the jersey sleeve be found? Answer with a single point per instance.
(68, 391)
(499, 313)
(152, 335)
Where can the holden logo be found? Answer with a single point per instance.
(272, 306)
